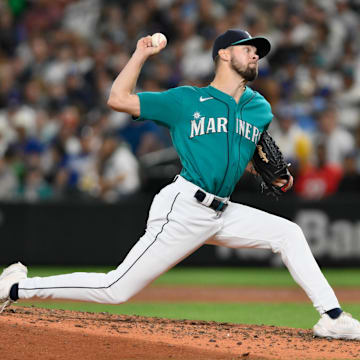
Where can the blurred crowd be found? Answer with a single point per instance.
(59, 139)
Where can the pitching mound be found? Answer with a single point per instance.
(39, 334)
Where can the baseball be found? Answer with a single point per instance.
(157, 38)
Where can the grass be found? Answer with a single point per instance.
(252, 277)
(285, 314)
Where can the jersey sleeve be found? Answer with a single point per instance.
(265, 114)
(163, 107)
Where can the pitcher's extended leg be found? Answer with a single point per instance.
(170, 237)
(247, 227)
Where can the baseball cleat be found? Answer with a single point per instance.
(344, 327)
(10, 276)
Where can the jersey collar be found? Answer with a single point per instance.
(227, 98)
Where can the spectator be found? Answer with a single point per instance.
(144, 137)
(8, 40)
(61, 66)
(118, 170)
(25, 143)
(35, 187)
(81, 17)
(350, 182)
(348, 100)
(36, 56)
(81, 165)
(69, 120)
(357, 149)
(320, 178)
(337, 141)
(7, 133)
(8, 181)
(55, 171)
(290, 138)
(198, 64)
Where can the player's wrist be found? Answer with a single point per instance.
(140, 56)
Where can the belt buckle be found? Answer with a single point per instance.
(222, 205)
(219, 211)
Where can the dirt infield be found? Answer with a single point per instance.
(41, 334)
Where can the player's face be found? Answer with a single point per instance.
(244, 61)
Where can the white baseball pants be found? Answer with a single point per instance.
(178, 225)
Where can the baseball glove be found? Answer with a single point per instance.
(270, 165)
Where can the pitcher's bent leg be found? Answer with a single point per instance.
(298, 258)
(248, 227)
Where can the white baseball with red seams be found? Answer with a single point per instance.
(157, 39)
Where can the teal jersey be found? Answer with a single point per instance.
(214, 136)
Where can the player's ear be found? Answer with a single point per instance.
(224, 54)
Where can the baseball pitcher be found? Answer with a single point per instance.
(216, 131)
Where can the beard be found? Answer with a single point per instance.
(247, 73)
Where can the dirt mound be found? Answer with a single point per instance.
(32, 333)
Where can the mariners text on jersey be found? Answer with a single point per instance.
(202, 126)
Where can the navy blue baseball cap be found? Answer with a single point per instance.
(240, 37)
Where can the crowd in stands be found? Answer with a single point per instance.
(59, 139)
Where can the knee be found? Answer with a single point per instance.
(115, 297)
(296, 231)
(293, 234)
(116, 291)
(123, 284)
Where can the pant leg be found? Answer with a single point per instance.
(176, 227)
(247, 227)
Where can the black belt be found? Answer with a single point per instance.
(216, 204)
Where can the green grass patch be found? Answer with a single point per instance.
(284, 314)
(271, 277)
(279, 277)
